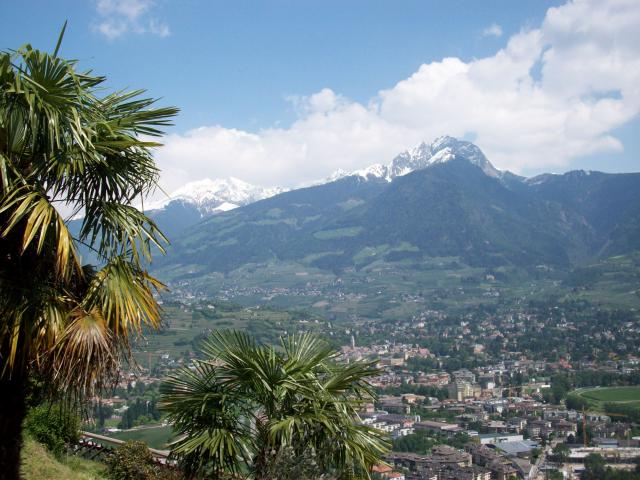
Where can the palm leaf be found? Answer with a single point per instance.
(297, 398)
(63, 141)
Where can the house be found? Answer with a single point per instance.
(563, 428)
(444, 463)
(440, 457)
(501, 467)
(448, 429)
(394, 476)
(405, 421)
(461, 389)
(393, 404)
(538, 428)
(496, 426)
(412, 399)
(381, 469)
(517, 424)
(605, 442)
(464, 473)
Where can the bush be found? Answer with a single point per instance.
(133, 461)
(54, 426)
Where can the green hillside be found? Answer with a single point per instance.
(447, 210)
(39, 464)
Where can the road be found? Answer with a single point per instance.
(535, 473)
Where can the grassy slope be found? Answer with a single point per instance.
(39, 464)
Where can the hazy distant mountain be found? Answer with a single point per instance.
(439, 199)
(194, 201)
(608, 205)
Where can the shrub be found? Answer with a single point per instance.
(131, 461)
(53, 425)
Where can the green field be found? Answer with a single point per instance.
(155, 437)
(597, 397)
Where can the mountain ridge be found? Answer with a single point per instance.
(425, 155)
(220, 195)
(214, 196)
(451, 209)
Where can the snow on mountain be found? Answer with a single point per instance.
(215, 196)
(222, 195)
(441, 150)
(377, 170)
(225, 207)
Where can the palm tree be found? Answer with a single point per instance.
(248, 407)
(64, 145)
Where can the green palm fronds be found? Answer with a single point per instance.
(64, 143)
(247, 404)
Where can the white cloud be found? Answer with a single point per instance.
(158, 28)
(552, 94)
(494, 30)
(119, 17)
(130, 9)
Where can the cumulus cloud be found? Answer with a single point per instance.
(119, 17)
(550, 95)
(494, 30)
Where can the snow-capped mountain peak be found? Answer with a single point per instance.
(219, 195)
(424, 155)
(376, 170)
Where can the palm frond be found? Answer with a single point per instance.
(297, 399)
(213, 422)
(40, 221)
(86, 354)
(123, 292)
(63, 141)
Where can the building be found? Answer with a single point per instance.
(444, 463)
(501, 467)
(517, 449)
(464, 473)
(461, 389)
(441, 456)
(393, 404)
(448, 429)
(464, 375)
(497, 438)
(412, 399)
(405, 421)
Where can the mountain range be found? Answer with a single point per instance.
(443, 199)
(210, 197)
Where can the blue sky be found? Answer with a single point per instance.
(272, 84)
